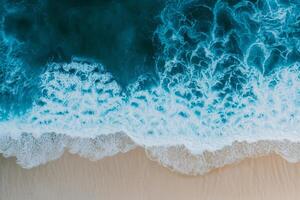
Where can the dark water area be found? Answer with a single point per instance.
(117, 33)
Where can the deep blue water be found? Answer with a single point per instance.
(116, 34)
(202, 73)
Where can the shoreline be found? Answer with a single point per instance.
(180, 159)
(133, 176)
(33, 151)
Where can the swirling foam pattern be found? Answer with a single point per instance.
(189, 76)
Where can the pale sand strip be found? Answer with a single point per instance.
(133, 176)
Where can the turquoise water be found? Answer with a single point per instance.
(197, 73)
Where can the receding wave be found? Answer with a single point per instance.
(223, 85)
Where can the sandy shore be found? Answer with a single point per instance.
(133, 176)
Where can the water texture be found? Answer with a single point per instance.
(182, 76)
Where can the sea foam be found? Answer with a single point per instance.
(226, 87)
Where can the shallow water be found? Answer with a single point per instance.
(196, 73)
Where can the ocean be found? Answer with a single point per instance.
(97, 77)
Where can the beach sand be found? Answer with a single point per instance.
(133, 176)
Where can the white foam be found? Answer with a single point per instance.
(76, 107)
(32, 151)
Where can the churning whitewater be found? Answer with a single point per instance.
(197, 83)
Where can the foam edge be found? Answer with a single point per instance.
(180, 159)
(33, 151)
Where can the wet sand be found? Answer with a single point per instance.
(133, 176)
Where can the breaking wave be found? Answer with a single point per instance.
(220, 83)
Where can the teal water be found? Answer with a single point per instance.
(188, 72)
